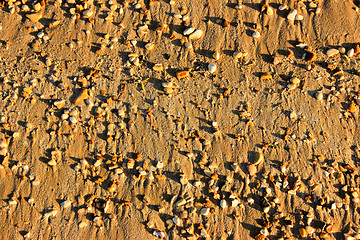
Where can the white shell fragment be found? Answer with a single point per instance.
(332, 52)
(223, 203)
(205, 211)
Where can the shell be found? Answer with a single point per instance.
(351, 52)
(292, 14)
(205, 211)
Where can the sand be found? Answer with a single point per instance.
(118, 163)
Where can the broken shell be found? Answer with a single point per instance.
(52, 162)
(256, 34)
(223, 203)
(332, 52)
(291, 86)
(196, 35)
(211, 67)
(189, 31)
(259, 157)
(158, 67)
(292, 14)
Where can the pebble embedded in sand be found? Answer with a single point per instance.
(182, 74)
(282, 7)
(292, 14)
(211, 67)
(176, 221)
(332, 52)
(299, 17)
(302, 232)
(196, 35)
(66, 204)
(350, 53)
(256, 34)
(82, 96)
(223, 203)
(319, 96)
(205, 211)
(189, 31)
(252, 169)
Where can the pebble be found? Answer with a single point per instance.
(73, 120)
(292, 14)
(351, 52)
(299, 17)
(66, 204)
(196, 35)
(189, 31)
(87, 13)
(319, 96)
(332, 52)
(256, 34)
(34, 17)
(302, 232)
(205, 211)
(211, 67)
(234, 203)
(176, 221)
(82, 224)
(252, 169)
(282, 7)
(342, 50)
(223, 203)
(52, 213)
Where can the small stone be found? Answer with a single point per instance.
(291, 86)
(299, 17)
(211, 67)
(59, 103)
(342, 50)
(196, 35)
(87, 13)
(332, 52)
(292, 14)
(223, 203)
(37, 7)
(256, 34)
(252, 169)
(182, 74)
(82, 96)
(205, 211)
(34, 17)
(282, 7)
(319, 96)
(295, 80)
(302, 232)
(66, 204)
(176, 221)
(52, 162)
(189, 31)
(351, 52)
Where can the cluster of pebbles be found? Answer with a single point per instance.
(79, 107)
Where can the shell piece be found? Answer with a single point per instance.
(351, 52)
(177, 221)
(332, 52)
(292, 14)
(211, 67)
(196, 35)
(66, 204)
(259, 157)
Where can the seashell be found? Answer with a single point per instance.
(196, 35)
(292, 14)
(269, 11)
(332, 52)
(205, 211)
(256, 34)
(34, 17)
(189, 31)
(223, 203)
(211, 67)
(252, 169)
(238, 7)
(259, 157)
